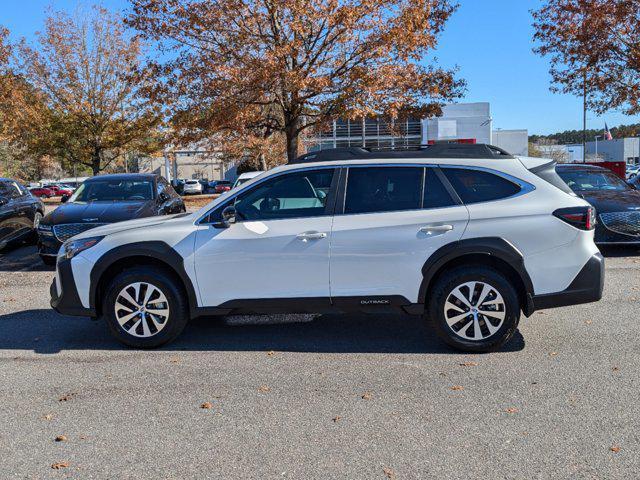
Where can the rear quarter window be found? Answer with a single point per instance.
(475, 186)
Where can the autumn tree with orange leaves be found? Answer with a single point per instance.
(271, 67)
(76, 93)
(594, 45)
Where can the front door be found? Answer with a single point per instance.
(394, 218)
(278, 248)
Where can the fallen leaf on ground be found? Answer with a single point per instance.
(457, 387)
(615, 449)
(469, 364)
(337, 419)
(61, 438)
(588, 322)
(48, 417)
(59, 465)
(615, 369)
(207, 405)
(553, 354)
(367, 396)
(511, 410)
(271, 353)
(83, 437)
(390, 474)
(542, 313)
(67, 397)
(263, 389)
(174, 360)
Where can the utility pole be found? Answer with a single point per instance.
(584, 115)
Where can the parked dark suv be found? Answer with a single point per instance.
(102, 200)
(20, 213)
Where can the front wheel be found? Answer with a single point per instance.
(144, 307)
(474, 308)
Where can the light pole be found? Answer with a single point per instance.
(597, 137)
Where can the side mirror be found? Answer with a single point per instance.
(64, 199)
(228, 217)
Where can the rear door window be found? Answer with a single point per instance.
(475, 186)
(383, 189)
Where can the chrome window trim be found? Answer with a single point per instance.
(525, 187)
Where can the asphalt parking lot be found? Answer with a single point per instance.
(333, 397)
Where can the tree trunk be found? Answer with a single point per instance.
(293, 134)
(95, 162)
(263, 162)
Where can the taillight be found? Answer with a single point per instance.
(583, 218)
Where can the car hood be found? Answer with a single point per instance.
(99, 212)
(131, 224)
(612, 201)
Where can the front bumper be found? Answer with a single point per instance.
(48, 245)
(67, 301)
(587, 287)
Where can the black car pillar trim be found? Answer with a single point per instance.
(156, 250)
(491, 247)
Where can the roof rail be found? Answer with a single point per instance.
(438, 150)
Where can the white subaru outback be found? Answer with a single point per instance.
(466, 235)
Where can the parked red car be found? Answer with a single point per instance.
(42, 192)
(59, 191)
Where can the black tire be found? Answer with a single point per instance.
(173, 324)
(48, 260)
(444, 287)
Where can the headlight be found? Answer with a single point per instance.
(73, 247)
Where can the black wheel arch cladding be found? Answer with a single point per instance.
(157, 251)
(489, 247)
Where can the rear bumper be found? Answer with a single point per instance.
(67, 301)
(585, 288)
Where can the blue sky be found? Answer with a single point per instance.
(489, 40)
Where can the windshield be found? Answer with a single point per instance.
(113, 191)
(589, 180)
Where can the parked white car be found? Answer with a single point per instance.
(245, 177)
(192, 187)
(467, 235)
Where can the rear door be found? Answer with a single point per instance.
(392, 219)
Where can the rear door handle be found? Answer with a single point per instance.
(304, 236)
(436, 228)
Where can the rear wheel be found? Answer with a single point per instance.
(474, 308)
(145, 308)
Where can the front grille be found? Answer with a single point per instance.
(65, 231)
(626, 223)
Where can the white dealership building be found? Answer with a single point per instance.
(470, 122)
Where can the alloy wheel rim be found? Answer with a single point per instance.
(474, 311)
(142, 309)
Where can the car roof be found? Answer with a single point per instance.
(124, 176)
(250, 174)
(577, 166)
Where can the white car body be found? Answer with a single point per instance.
(245, 177)
(192, 187)
(364, 261)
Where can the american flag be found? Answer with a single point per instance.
(607, 132)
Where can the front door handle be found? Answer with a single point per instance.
(436, 228)
(304, 236)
